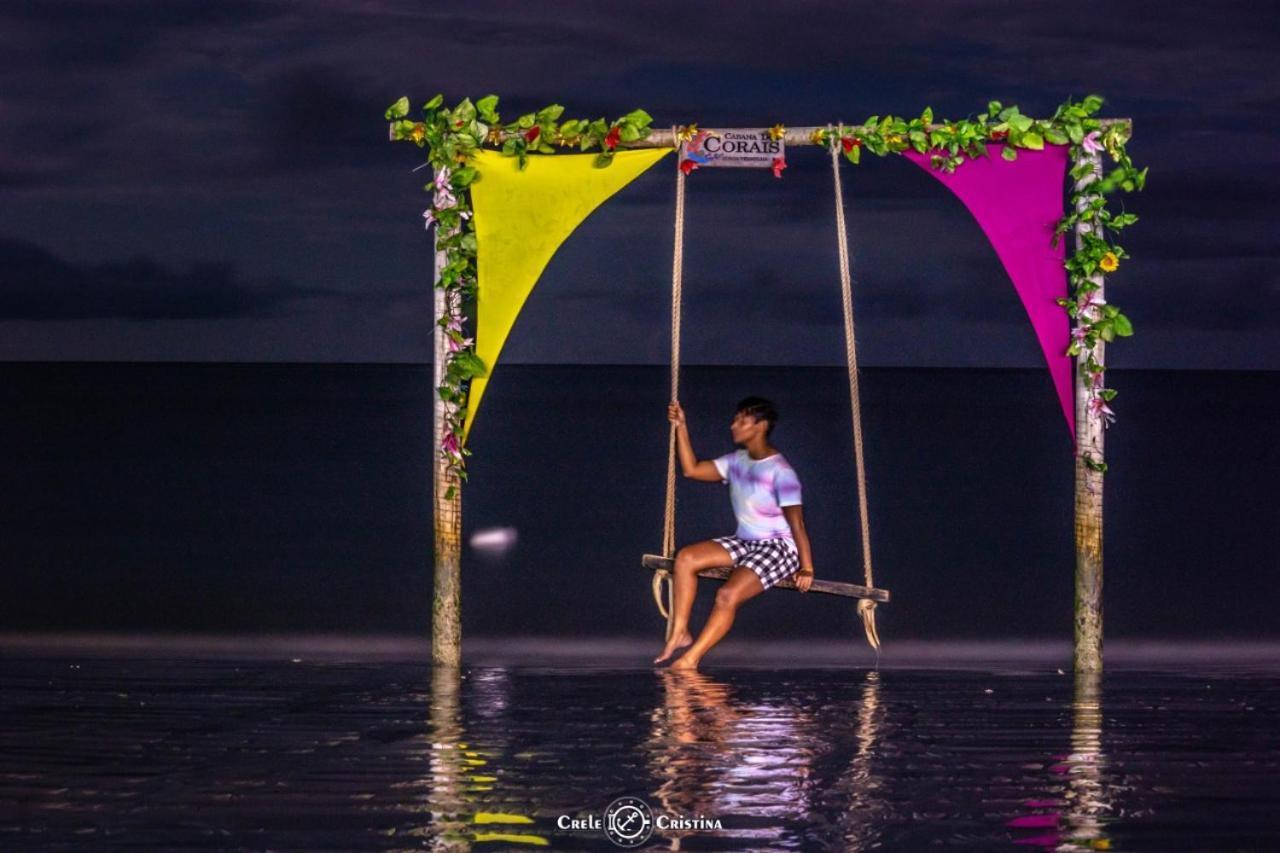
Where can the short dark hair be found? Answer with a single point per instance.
(760, 409)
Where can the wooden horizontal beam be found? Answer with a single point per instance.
(663, 138)
(660, 137)
(848, 590)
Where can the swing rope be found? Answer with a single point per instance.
(677, 276)
(866, 607)
(669, 513)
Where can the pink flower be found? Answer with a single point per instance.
(454, 345)
(450, 443)
(1090, 142)
(444, 193)
(1079, 333)
(1098, 408)
(1090, 300)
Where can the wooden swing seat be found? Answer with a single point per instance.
(655, 562)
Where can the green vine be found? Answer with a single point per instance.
(452, 136)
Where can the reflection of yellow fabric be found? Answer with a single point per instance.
(521, 218)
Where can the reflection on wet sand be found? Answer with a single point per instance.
(755, 765)
(461, 772)
(860, 822)
(1078, 818)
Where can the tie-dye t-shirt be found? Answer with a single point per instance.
(758, 490)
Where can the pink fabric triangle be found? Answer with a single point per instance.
(1018, 203)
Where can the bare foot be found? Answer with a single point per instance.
(685, 664)
(679, 641)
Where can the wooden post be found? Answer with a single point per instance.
(1088, 481)
(446, 617)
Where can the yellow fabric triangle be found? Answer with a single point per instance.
(521, 218)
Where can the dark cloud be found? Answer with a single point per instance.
(127, 121)
(35, 284)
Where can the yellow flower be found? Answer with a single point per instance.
(817, 136)
(418, 133)
(893, 137)
(1109, 262)
(777, 132)
(687, 132)
(495, 136)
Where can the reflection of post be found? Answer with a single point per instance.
(449, 810)
(1087, 802)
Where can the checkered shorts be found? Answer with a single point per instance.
(772, 560)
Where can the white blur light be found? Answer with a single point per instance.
(494, 541)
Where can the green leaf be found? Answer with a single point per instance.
(1021, 123)
(640, 118)
(1123, 327)
(927, 115)
(550, 113)
(1009, 153)
(465, 112)
(993, 109)
(432, 104)
(1055, 136)
(485, 107)
(399, 109)
(628, 132)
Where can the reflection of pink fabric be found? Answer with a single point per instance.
(1018, 204)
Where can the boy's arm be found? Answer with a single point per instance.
(705, 470)
(795, 517)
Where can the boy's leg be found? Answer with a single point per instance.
(742, 585)
(690, 560)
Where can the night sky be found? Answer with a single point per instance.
(194, 181)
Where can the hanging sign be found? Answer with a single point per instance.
(733, 148)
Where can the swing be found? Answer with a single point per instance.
(867, 595)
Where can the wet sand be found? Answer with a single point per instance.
(329, 743)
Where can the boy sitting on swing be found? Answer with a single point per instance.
(770, 543)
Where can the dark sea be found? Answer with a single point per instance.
(223, 498)
(215, 586)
